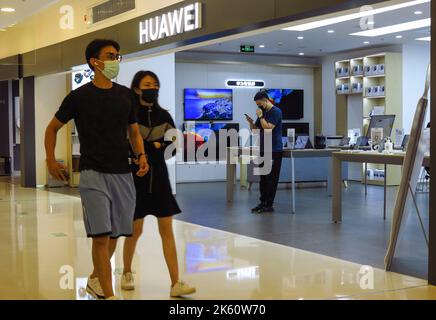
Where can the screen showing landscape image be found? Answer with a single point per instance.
(290, 101)
(204, 130)
(208, 104)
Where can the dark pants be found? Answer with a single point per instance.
(268, 183)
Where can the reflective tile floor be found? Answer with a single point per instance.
(44, 254)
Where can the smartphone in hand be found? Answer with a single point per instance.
(248, 117)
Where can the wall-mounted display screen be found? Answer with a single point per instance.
(290, 101)
(301, 128)
(203, 131)
(208, 104)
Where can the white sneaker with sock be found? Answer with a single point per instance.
(181, 288)
(127, 281)
(93, 287)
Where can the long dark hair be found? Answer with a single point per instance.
(137, 81)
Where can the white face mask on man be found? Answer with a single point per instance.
(111, 69)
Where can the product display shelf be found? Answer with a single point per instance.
(379, 75)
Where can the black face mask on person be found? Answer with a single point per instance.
(262, 107)
(150, 95)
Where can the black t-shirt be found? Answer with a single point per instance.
(102, 117)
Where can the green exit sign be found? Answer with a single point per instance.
(246, 49)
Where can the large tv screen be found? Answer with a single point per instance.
(290, 101)
(204, 130)
(208, 104)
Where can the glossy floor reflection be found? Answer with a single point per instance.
(44, 254)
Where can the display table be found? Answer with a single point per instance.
(396, 158)
(237, 154)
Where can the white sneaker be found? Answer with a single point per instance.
(181, 289)
(127, 281)
(113, 298)
(93, 287)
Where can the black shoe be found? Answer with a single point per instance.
(259, 208)
(267, 209)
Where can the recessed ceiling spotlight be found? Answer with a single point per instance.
(301, 54)
(280, 44)
(331, 31)
(2, 30)
(418, 12)
(399, 37)
(262, 46)
(300, 37)
(7, 10)
(365, 42)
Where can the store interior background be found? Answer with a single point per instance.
(279, 65)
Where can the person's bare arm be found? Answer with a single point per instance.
(138, 147)
(251, 123)
(266, 125)
(54, 168)
(253, 126)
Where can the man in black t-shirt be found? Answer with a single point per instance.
(269, 121)
(104, 113)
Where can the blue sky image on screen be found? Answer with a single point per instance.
(278, 94)
(206, 129)
(290, 101)
(208, 104)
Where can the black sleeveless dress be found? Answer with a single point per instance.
(154, 195)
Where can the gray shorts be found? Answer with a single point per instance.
(108, 202)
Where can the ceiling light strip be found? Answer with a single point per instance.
(352, 16)
(394, 28)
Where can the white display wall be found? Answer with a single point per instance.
(214, 76)
(50, 91)
(416, 58)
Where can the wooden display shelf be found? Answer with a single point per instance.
(391, 101)
(375, 76)
(374, 182)
(374, 97)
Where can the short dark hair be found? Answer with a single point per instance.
(136, 82)
(94, 48)
(141, 75)
(261, 95)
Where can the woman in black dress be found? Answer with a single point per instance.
(154, 195)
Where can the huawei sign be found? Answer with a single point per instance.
(179, 21)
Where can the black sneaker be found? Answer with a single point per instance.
(258, 209)
(267, 209)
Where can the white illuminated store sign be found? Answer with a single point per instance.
(179, 21)
(246, 83)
